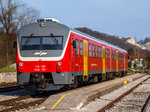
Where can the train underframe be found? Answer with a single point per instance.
(63, 80)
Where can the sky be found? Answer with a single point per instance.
(123, 18)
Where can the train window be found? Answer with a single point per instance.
(81, 48)
(118, 56)
(96, 51)
(108, 50)
(52, 43)
(77, 47)
(101, 52)
(106, 53)
(29, 43)
(93, 50)
(42, 43)
(122, 57)
(114, 55)
(90, 53)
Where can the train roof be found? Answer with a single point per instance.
(81, 33)
(96, 39)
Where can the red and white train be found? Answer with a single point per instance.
(51, 56)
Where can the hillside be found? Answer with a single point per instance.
(111, 39)
(143, 42)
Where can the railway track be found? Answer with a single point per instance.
(21, 102)
(9, 88)
(6, 87)
(137, 99)
(146, 105)
(8, 84)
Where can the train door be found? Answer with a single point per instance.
(103, 58)
(85, 58)
(72, 55)
(116, 61)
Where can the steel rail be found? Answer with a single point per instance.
(9, 88)
(109, 105)
(14, 100)
(26, 105)
(8, 84)
(22, 106)
(145, 106)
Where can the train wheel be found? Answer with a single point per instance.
(109, 76)
(95, 79)
(100, 78)
(66, 87)
(104, 77)
(75, 82)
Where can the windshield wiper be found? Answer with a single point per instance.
(28, 40)
(54, 38)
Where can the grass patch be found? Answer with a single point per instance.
(7, 69)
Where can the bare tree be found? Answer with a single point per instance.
(14, 14)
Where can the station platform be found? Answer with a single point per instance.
(78, 98)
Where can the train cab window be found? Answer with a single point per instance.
(29, 43)
(96, 51)
(93, 50)
(77, 47)
(42, 43)
(81, 48)
(90, 53)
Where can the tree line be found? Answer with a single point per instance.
(13, 15)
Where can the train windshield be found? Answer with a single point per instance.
(42, 43)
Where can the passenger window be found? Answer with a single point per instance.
(93, 50)
(101, 52)
(90, 53)
(98, 52)
(77, 47)
(81, 48)
(114, 55)
(106, 53)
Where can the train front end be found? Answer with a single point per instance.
(42, 55)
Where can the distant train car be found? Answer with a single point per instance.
(51, 56)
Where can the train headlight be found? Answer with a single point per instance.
(59, 63)
(43, 24)
(20, 64)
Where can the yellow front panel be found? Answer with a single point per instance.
(103, 59)
(116, 61)
(85, 56)
(124, 62)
